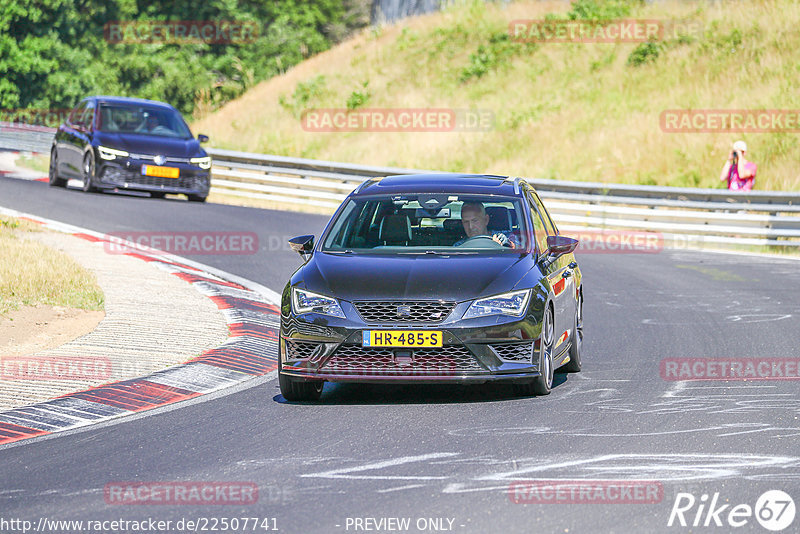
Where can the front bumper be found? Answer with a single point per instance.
(128, 175)
(483, 350)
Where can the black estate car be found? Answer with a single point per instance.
(433, 278)
(113, 142)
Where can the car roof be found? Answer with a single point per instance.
(130, 100)
(486, 184)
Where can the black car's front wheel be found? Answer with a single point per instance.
(52, 174)
(299, 390)
(196, 198)
(88, 173)
(542, 384)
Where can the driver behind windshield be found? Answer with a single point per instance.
(476, 223)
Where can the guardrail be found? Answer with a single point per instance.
(680, 215)
(26, 138)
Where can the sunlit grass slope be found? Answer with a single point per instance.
(568, 111)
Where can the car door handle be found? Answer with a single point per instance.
(566, 274)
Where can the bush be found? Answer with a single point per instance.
(495, 53)
(644, 53)
(304, 94)
(603, 10)
(359, 97)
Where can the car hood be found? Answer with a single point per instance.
(373, 277)
(143, 144)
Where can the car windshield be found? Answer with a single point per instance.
(142, 119)
(429, 223)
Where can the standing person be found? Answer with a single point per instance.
(740, 173)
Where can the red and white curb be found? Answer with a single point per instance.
(250, 310)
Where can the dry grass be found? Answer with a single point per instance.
(564, 111)
(33, 274)
(36, 162)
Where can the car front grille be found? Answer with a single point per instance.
(354, 359)
(404, 312)
(120, 177)
(514, 352)
(167, 159)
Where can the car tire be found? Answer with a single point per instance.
(88, 173)
(196, 198)
(299, 390)
(574, 363)
(53, 179)
(542, 384)
(157, 194)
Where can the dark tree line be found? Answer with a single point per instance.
(53, 52)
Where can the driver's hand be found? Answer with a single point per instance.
(503, 240)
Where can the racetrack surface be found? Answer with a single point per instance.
(448, 451)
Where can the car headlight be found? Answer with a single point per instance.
(203, 163)
(305, 301)
(511, 304)
(111, 153)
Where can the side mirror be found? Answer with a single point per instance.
(303, 245)
(558, 245)
(202, 138)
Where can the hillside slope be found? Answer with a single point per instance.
(587, 111)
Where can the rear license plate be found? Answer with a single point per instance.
(161, 172)
(402, 338)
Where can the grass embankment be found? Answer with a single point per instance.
(566, 111)
(34, 162)
(32, 274)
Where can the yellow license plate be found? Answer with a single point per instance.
(162, 172)
(402, 338)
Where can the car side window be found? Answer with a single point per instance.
(539, 230)
(88, 116)
(77, 114)
(548, 222)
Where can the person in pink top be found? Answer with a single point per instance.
(740, 173)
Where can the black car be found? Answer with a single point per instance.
(129, 143)
(433, 278)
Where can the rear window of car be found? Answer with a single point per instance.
(424, 223)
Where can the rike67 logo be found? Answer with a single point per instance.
(774, 510)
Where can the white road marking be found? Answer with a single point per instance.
(410, 486)
(345, 472)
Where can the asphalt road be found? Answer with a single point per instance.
(428, 452)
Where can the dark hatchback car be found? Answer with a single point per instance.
(433, 278)
(133, 144)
